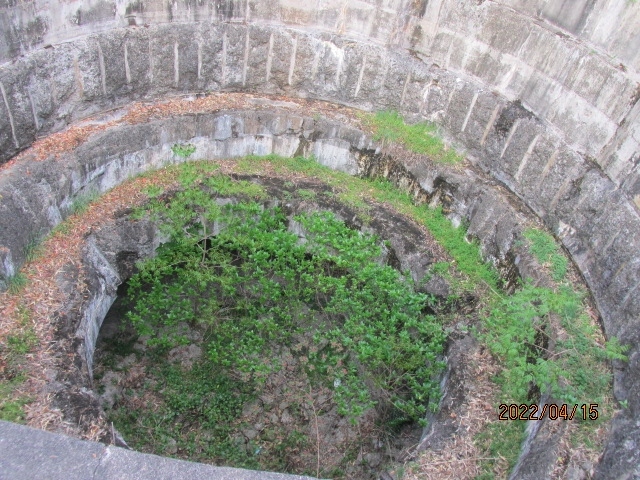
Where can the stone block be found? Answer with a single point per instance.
(88, 71)
(260, 39)
(281, 59)
(211, 61)
(138, 43)
(234, 38)
(504, 29)
(477, 117)
(458, 106)
(515, 152)
(115, 63)
(376, 65)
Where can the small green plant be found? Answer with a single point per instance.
(153, 191)
(544, 248)
(183, 150)
(17, 282)
(440, 268)
(82, 201)
(363, 344)
(12, 407)
(22, 342)
(420, 137)
(33, 249)
(501, 442)
(306, 194)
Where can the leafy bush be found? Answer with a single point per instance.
(239, 274)
(544, 248)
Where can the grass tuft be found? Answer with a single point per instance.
(419, 137)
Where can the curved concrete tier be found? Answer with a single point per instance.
(40, 193)
(27, 453)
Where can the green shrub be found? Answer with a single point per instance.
(544, 248)
(420, 137)
(254, 288)
(183, 150)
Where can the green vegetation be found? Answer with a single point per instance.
(17, 282)
(518, 330)
(12, 408)
(545, 249)
(253, 287)
(19, 343)
(420, 137)
(503, 441)
(183, 150)
(271, 290)
(267, 304)
(82, 202)
(196, 414)
(33, 249)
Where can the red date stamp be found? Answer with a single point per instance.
(552, 411)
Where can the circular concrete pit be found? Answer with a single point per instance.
(543, 99)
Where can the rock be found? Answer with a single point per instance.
(250, 433)
(186, 355)
(286, 418)
(171, 447)
(111, 381)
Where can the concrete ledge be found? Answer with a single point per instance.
(27, 453)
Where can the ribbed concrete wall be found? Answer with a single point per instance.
(574, 64)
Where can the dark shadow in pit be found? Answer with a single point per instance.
(290, 426)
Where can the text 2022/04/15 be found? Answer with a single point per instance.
(551, 410)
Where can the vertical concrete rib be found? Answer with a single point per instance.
(550, 163)
(224, 58)
(246, 59)
(77, 75)
(127, 69)
(360, 75)
(466, 119)
(526, 156)
(315, 64)
(103, 76)
(630, 294)
(36, 122)
(6, 104)
(511, 132)
(339, 66)
(150, 63)
(269, 57)
(490, 123)
(561, 191)
(176, 64)
(199, 60)
(292, 62)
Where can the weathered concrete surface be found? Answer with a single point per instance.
(495, 217)
(27, 453)
(591, 209)
(575, 65)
